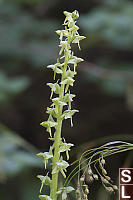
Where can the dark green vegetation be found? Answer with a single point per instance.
(103, 86)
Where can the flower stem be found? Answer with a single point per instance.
(57, 137)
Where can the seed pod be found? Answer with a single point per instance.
(90, 178)
(107, 178)
(104, 171)
(86, 191)
(85, 197)
(115, 187)
(104, 180)
(109, 189)
(100, 165)
(77, 191)
(89, 170)
(82, 178)
(95, 176)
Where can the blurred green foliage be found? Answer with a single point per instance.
(10, 87)
(17, 157)
(16, 154)
(109, 26)
(24, 38)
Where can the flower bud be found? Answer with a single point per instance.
(95, 176)
(103, 161)
(115, 187)
(107, 178)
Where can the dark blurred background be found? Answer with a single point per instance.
(103, 86)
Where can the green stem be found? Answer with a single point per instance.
(54, 182)
(57, 137)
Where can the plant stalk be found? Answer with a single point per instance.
(57, 138)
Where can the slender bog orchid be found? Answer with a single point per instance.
(61, 98)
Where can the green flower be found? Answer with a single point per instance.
(68, 81)
(77, 39)
(64, 191)
(46, 156)
(55, 88)
(57, 102)
(60, 166)
(74, 60)
(62, 33)
(49, 124)
(45, 181)
(65, 147)
(68, 98)
(65, 46)
(51, 111)
(56, 68)
(70, 18)
(67, 114)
